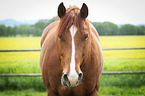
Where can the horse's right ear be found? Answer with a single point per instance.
(61, 10)
(84, 11)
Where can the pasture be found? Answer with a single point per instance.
(110, 85)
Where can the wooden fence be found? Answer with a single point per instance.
(107, 73)
(26, 50)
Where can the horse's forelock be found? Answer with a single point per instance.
(72, 17)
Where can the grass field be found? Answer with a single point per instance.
(111, 85)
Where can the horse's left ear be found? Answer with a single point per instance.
(61, 10)
(84, 11)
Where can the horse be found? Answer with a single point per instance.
(71, 59)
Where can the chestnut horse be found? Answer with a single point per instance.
(71, 58)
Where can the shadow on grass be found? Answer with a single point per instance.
(131, 80)
(22, 83)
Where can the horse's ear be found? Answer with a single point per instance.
(84, 11)
(61, 10)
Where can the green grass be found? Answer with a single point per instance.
(110, 85)
(121, 91)
(19, 62)
(104, 91)
(28, 92)
(122, 85)
(116, 60)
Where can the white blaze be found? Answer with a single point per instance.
(73, 76)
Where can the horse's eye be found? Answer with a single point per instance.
(85, 36)
(60, 37)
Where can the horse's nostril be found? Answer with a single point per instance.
(65, 77)
(66, 81)
(80, 76)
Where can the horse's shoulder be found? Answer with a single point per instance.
(47, 30)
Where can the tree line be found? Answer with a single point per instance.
(25, 29)
(105, 28)
(108, 28)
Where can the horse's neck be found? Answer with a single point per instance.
(92, 29)
(97, 47)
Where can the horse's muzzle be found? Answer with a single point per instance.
(67, 81)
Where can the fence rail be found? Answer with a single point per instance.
(30, 75)
(24, 50)
(18, 50)
(132, 48)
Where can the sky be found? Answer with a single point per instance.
(116, 11)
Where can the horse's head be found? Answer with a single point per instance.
(73, 38)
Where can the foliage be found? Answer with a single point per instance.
(25, 30)
(140, 30)
(3, 30)
(128, 29)
(108, 28)
(104, 28)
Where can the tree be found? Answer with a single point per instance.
(110, 28)
(3, 30)
(106, 28)
(128, 29)
(15, 30)
(40, 26)
(140, 30)
(9, 31)
(24, 30)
